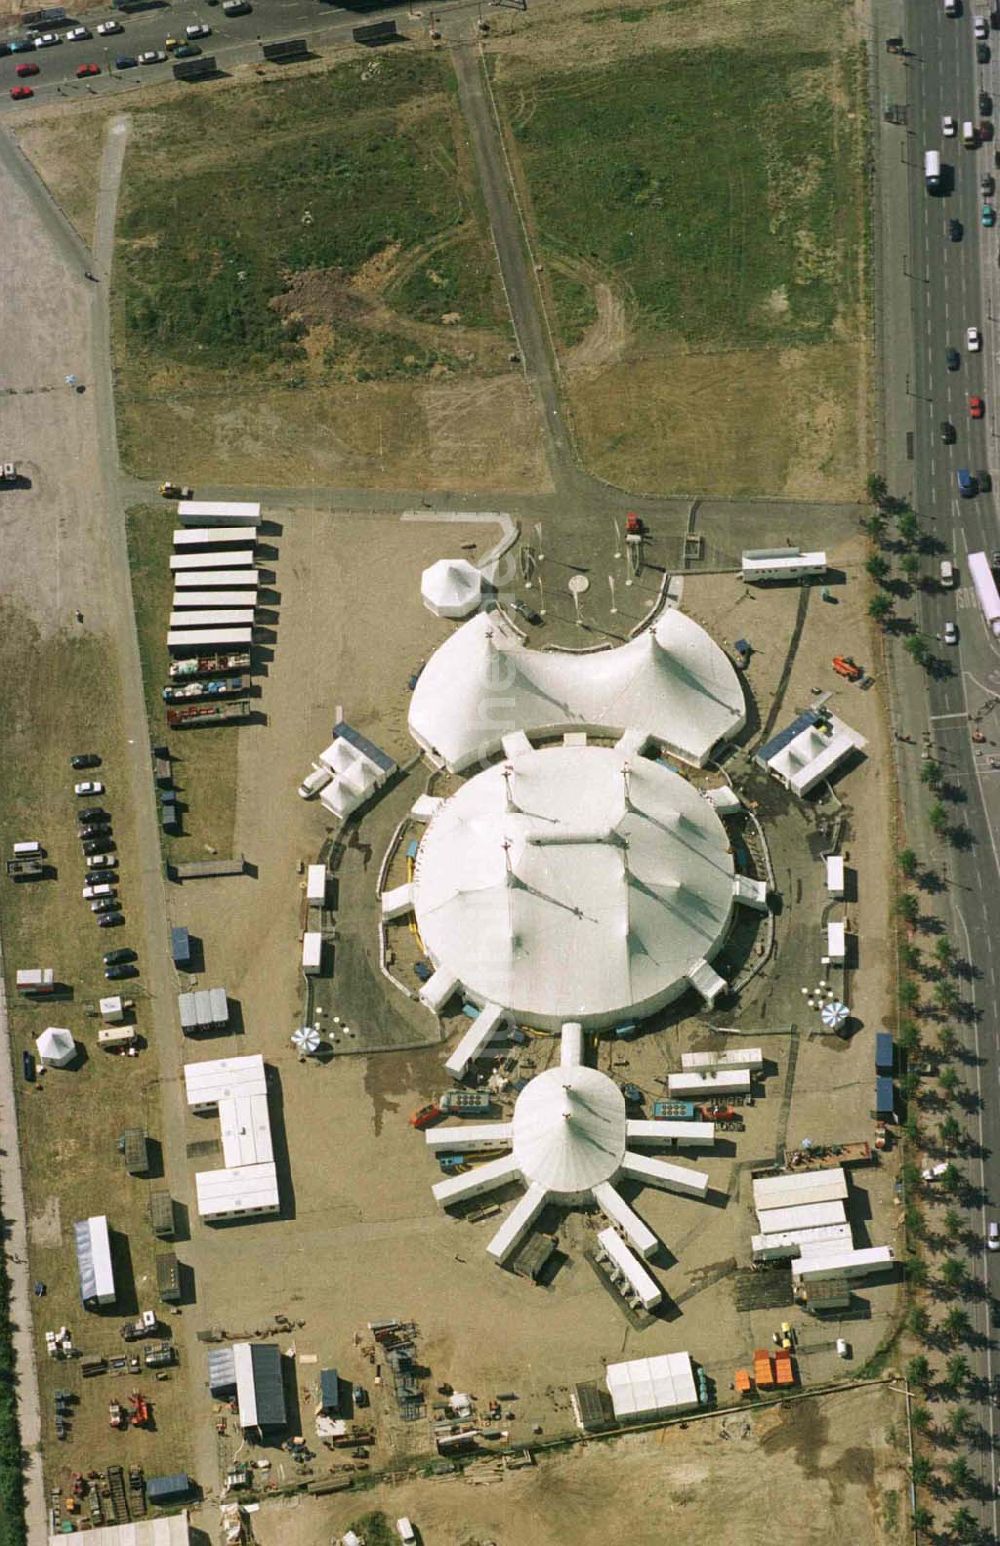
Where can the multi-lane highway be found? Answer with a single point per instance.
(948, 286)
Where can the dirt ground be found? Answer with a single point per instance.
(810, 1472)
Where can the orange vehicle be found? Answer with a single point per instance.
(845, 666)
(140, 1411)
(426, 1116)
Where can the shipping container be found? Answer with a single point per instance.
(213, 536)
(213, 617)
(201, 639)
(213, 512)
(214, 600)
(241, 558)
(215, 579)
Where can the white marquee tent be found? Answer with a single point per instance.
(56, 1047)
(451, 588)
(672, 684)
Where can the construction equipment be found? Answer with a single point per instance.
(176, 491)
(848, 668)
(725, 1117)
(144, 1326)
(140, 1409)
(426, 1116)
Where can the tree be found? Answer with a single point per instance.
(920, 1418)
(960, 1473)
(915, 646)
(947, 1040)
(957, 1370)
(951, 1132)
(930, 772)
(877, 568)
(938, 817)
(957, 1323)
(908, 526)
(877, 488)
(944, 952)
(908, 908)
(952, 1272)
(907, 861)
(911, 957)
(951, 1180)
(918, 1322)
(958, 1421)
(946, 995)
(921, 1518)
(963, 1525)
(911, 1128)
(880, 607)
(874, 525)
(917, 1273)
(918, 1372)
(909, 993)
(954, 1223)
(913, 1219)
(948, 1080)
(910, 566)
(921, 1470)
(909, 1037)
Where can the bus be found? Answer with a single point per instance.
(986, 590)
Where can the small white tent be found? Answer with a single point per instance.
(56, 1047)
(451, 588)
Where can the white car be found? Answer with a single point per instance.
(46, 39)
(981, 27)
(198, 29)
(951, 633)
(92, 786)
(77, 35)
(949, 128)
(973, 340)
(107, 29)
(152, 56)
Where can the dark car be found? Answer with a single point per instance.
(126, 62)
(102, 877)
(105, 904)
(93, 813)
(985, 129)
(952, 358)
(117, 957)
(985, 104)
(982, 53)
(987, 183)
(99, 845)
(528, 613)
(96, 829)
(85, 760)
(110, 920)
(955, 230)
(186, 50)
(359, 1395)
(948, 432)
(117, 973)
(22, 46)
(985, 481)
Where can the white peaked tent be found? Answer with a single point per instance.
(451, 588)
(56, 1047)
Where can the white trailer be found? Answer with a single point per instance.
(213, 536)
(213, 512)
(828, 1237)
(626, 1265)
(316, 884)
(213, 599)
(806, 1215)
(843, 1264)
(835, 875)
(312, 952)
(221, 617)
(206, 579)
(241, 558)
(737, 1057)
(781, 564)
(194, 640)
(725, 1082)
(801, 1186)
(985, 587)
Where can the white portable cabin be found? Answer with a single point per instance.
(312, 952)
(806, 1215)
(217, 512)
(194, 640)
(241, 558)
(211, 579)
(834, 875)
(836, 940)
(799, 1187)
(640, 1283)
(736, 1057)
(240, 1192)
(843, 1264)
(726, 1082)
(213, 536)
(241, 617)
(113, 1037)
(828, 1237)
(781, 564)
(213, 598)
(316, 884)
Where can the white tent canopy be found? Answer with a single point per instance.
(56, 1047)
(672, 684)
(451, 588)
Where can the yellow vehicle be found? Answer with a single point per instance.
(175, 491)
(170, 44)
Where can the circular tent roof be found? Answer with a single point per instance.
(56, 1047)
(451, 588)
(569, 1131)
(571, 883)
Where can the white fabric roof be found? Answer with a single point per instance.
(451, 588)
(571, 884)
(650, 1385)
(673, 683)
(813, 754)
(569, 1131)
(170, 1530)
(56, 1046)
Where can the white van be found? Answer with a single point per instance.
(405, 1531)
(993, 1236)
(29, 851)
(947, 573)
(951, 7)
(91, 893)
(970, 135)
(932, 171)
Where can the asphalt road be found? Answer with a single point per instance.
(951, 286)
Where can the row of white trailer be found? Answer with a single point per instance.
(803, 1219)
(215, 577)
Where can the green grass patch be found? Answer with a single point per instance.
(227, 197)
(458, 277)
(204, 761)
(720, 185)
(574, 303)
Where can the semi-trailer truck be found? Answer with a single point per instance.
(208, 665)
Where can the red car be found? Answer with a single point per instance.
(976, 407)
(426, 1116)
(87, 69)
(26, 69)
(20, 92)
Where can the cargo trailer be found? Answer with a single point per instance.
(217, 512)
(241, 558)
(214, 599)
(213, 536)
(194, 715)
(208, 665)
(220, 617)
(208, 579)
(201, 639)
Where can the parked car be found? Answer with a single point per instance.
(47, 40)
(116, 957)
(20, 92)
(982, 53)
(987, 183)
(96, 830)
(119, 973)
(985, 129)
(152, 56)
(989, 215)
(984, 481)
(26, 69)
(83, 70)
(980, 27)
(106, 29)
(93, 813)
(110, 920)
(85, 760)
(186, 51)
(426, 1116)
(98, 845)
(125, 62)
(105, 904)
(197, 29)
(993, 1236)
(80, 35)
(91, 786)
(103, 877)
